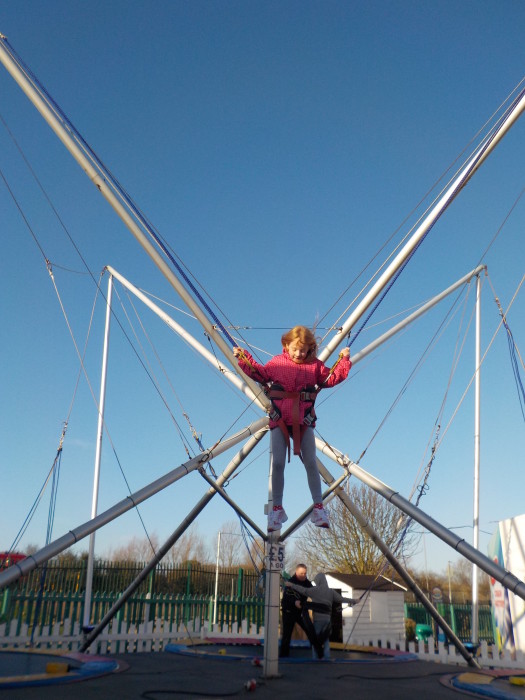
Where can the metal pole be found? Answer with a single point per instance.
(272, 606)
(426, 565)
(475, 605)
(358, 356)
(272, 595)
(506, 578)
(30, 562)
(188, 338)
(438, 209)
(103, 182)
(98, 453)
(216, 578)
(392, 559)
(162, 551)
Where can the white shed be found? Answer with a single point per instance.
(379, 615)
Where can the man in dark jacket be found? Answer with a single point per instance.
(294, 612)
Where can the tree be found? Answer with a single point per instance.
(461, 582)
(345, 547)
(455, 581)
(189, 547)
(137, 549)
(231, 549)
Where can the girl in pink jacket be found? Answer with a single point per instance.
(292, 381)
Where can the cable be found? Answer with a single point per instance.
(113, 182)
(513, 351)
(151, 694)
(389, 678)
(485, 142)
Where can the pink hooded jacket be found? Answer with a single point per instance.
(294, 377)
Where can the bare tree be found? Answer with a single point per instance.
(231, 549)
(345, 547)
(189, 547)
(461, 582)
(136, 549)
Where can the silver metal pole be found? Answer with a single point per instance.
(358, 356)
(506, 578)
(272, 596)
(453, 190)
(162, 551)
(98, 453)
(475, 605)
(30, 562)
(271, 610)
(392, 559)
(102, 181)
(212, 359)
(216, 578)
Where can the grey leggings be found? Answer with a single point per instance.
(279, 456)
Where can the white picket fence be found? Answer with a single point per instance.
(486, 655)
(117, 638)
(121, 638)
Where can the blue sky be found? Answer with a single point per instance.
(277, 146)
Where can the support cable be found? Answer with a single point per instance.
(513, 352)
(482, 360)
(113, 182)
(81, 356)
(489, 136)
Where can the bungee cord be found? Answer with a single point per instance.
(482, 360)
(115, 185)
(496, 122)
(151, 371)
(80, 356)
(82, 366)
(58, 458)
(458, 351)
(513, 349)
(32, 510)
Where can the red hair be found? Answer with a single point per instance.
(303, 335)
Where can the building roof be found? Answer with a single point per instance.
(363, 582)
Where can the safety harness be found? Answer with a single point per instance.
(296, 430)
(276, 392)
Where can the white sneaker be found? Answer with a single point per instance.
(276, 518)
(320, 517)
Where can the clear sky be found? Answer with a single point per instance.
(278, 147)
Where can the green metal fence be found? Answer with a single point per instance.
(173, 593)
(50, 608)
(459, 617)
(177, 594)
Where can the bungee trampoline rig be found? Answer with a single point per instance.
(249, 437)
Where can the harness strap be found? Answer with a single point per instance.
(297, 428)
(284, 430)
(339, 358)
